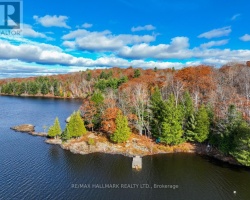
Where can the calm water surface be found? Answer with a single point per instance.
(31, 169)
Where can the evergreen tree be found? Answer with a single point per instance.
(202, 127)
(55, 130)
(226, 129)
(44, 89)
(189, 122)
(137, 73)
(22, 88)
(56, 88)
(190, 128)
(122, 131)
(158, 110)
(188, 107)
(76, 126)
(172, 131)
(66, 134)
(33, 88)
(89, 76)
(241, 148)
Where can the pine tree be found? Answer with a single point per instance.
(55, 129)
(226, 129)
(172, 131)
(189, 129)
(44, 88)
(137, 73)
(122, 131)
(187, 105)
(189, 118)
(202, 127)
(158, 110)
(65, 135)
(241, 148)
(76, 126)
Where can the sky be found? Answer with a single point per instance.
(68, 36)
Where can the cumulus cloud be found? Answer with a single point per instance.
(126, 50)
(102, 41)
(52, 21)
(214, 43)
(27, 55)
(215, 33)
(178, 48)
(148, 27)
(28, 31)
(245, 38)
(87, 25)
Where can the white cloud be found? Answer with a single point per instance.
(245, 38)
(102, 41)
(87, 25)
(14, 68)
(20, 58)
(31, 58)
(215, 33)
(214, 43)
(236, 16)
(50, 21)
(28, 31)
(138, 48)
(178, 48)
(148, 27)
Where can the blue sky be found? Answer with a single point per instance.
(66, 36)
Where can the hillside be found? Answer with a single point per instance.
(199, 104)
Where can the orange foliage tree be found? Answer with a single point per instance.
(108, 120)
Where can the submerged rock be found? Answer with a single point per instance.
(28, 128)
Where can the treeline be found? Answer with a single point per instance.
(195, 104)
(40, 85)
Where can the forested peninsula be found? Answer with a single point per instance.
(200, 105)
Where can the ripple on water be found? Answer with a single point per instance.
(32, 169)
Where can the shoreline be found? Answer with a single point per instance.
(41, 96)
(136, 146)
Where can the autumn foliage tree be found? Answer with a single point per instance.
(109, 120)
(144, 96)
(89, 111)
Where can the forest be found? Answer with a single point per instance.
(197, 104)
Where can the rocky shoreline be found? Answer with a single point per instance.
(136, 146)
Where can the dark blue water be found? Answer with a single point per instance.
(32, 169)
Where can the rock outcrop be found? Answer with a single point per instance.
(27, 128)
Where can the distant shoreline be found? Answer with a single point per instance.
(40, 96)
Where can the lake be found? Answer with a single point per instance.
(31, 169)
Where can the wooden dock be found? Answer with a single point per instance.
(137, 162)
